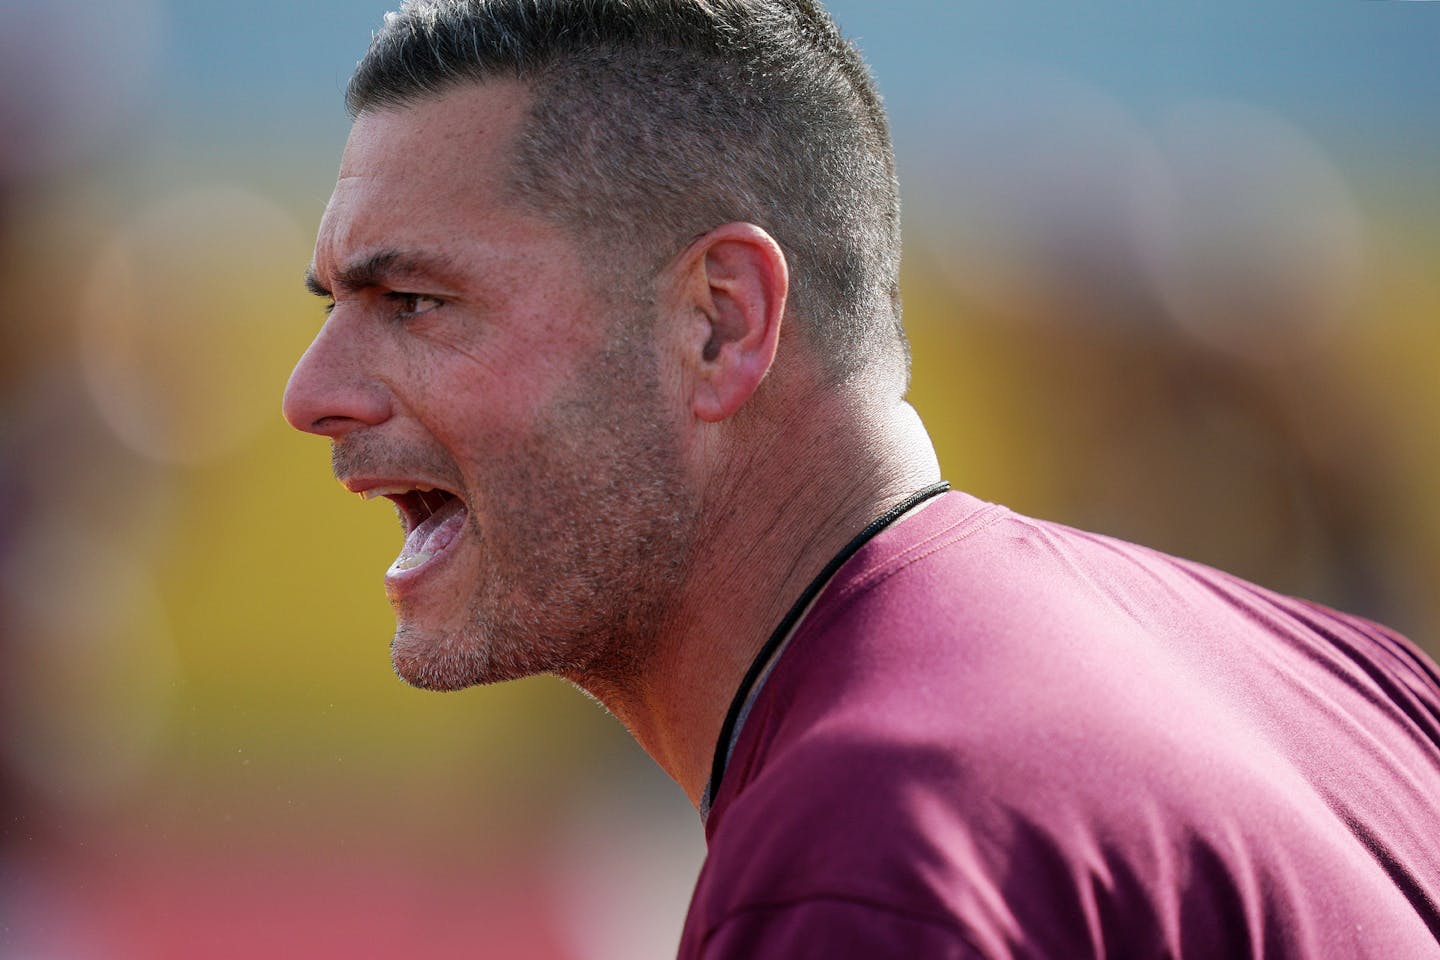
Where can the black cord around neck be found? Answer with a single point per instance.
(792, 616)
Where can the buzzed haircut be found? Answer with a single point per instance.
(655, 121)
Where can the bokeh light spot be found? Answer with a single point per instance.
(181, 314)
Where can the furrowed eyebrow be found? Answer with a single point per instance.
(378, 269)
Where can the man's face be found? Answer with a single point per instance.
(472, 371)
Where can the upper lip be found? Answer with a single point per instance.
(414, 498)
(370, 487)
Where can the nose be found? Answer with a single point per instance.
(332, 391)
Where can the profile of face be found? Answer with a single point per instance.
(473, 370)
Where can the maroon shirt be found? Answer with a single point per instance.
(998, 737)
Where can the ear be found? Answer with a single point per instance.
(733, 284)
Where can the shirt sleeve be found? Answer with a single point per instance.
(833, 929)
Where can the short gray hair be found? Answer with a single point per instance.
(655, 121)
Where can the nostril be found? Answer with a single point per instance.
(337, 417)
(329, 395)
(332, 427)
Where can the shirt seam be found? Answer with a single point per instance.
(944, 923)
(872, 578)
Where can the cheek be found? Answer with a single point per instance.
(490, 423)
(490, 389)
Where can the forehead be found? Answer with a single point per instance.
(468, 128)
(430, 171)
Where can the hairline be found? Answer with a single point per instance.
(634, 250)
(635, 286)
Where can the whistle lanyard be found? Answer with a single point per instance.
(739, 705)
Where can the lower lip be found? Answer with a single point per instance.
(399, 582)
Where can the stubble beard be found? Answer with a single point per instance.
(588, 543)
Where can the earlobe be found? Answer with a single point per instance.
(737, 283)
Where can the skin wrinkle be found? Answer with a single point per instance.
(382, 268)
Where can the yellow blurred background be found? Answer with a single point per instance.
(1170, 275)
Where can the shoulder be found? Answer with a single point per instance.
(1012, 733)
(974, 843)
(974, 848)
(829, 838)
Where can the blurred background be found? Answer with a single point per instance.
(1170, 275)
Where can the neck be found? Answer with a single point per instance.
(756, 558)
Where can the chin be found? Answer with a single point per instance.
(423, 676)
(444, 661)
(428, 662)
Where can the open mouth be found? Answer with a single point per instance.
(432, 520)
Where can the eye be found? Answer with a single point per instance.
(412, 304)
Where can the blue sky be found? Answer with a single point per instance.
(1361, 67)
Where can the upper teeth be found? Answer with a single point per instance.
(374, 492)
